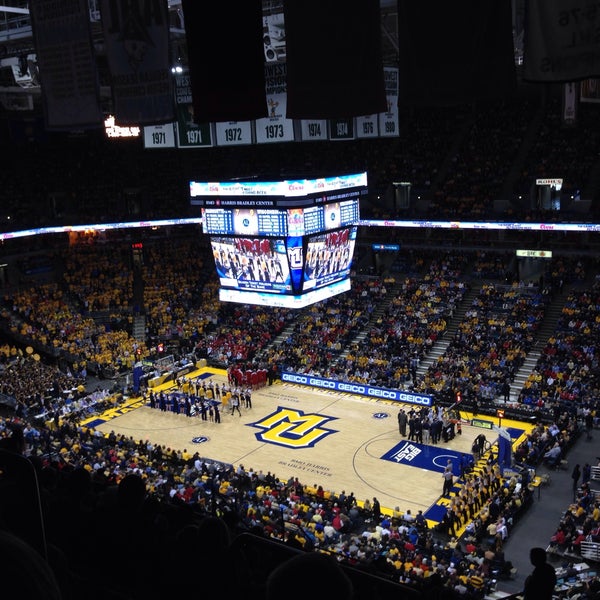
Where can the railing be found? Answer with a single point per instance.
(590, 550)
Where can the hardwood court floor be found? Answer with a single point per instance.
(333, 439)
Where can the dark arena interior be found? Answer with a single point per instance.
(300, 299)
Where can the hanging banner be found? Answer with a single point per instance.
(590, 90)
(159, 136)
(367, 126)
(334, 59)
(189, 133)
(275, 128)
(234, 133)
(67, 67)
(389, 121)
(313, 129)
(226, 58)
(341, 129)
(137, 48)
(569, 103)
(561, 42)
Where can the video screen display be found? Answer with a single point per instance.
(259, 264)
(294, 271)
(328, 257)
(285, 300)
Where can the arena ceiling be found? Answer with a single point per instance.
(20, 89)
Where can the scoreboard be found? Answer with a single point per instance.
(279, 208)
(280, 222)
(282, 243)
(244, 221)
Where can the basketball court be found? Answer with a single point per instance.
(337, 440)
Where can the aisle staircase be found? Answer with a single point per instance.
(439, 348)
(548, 327)
(139, 328)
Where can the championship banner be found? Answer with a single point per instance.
(313, 129)
(341, 129)
(367, 126)
(159, 136)
(560, 44)
(455, 52)
(233, 133)
(189, 133)
(63, 42)
(275, 128)
(389, 121)
(137, 48)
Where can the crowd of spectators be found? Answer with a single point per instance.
(415, 316)
(579, 522)
(66, 448)
(114, 495)
(459, 160)
(492, 341)
(481, 162)
(560, 148)
(567, 369)
(160, 506)
(399, 319)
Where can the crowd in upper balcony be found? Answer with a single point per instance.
(459, 160)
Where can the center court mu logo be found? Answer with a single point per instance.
(293, 428)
